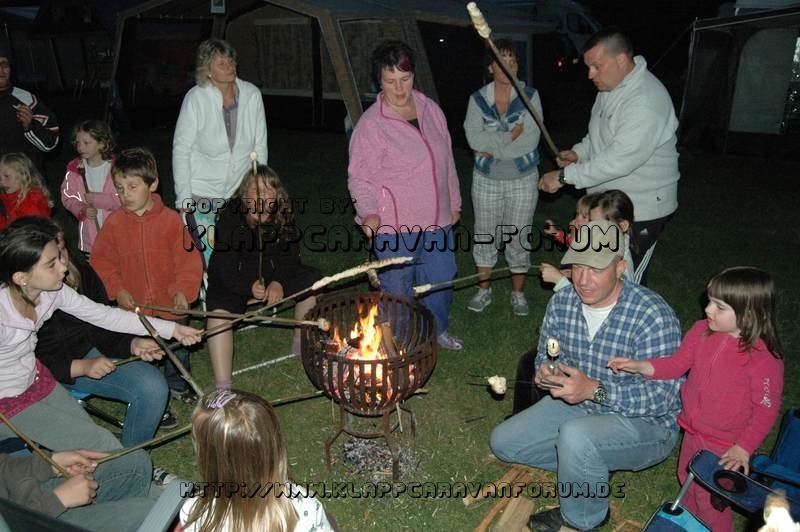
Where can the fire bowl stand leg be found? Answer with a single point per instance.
(386, 433)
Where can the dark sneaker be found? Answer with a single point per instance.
(551, 521)
(186, 396)
(168, 421)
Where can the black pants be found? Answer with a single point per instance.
(526, 393)
(647, 234)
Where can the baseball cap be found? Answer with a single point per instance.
(595, 245)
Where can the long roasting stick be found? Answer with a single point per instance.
(483, 29)
(186, 428)
(172, 356)
(35, 448)
(325, 281)
(425, 288)
(321, 323)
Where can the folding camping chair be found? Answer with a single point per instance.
(781, 469)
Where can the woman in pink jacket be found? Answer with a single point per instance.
(403, 179)
(732, 395)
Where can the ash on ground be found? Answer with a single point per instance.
(371, 457)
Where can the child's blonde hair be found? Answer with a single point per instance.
(237, 438)
(751, 294)
(585, 203)
(99, 131)
(29, 176)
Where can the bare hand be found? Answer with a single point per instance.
(77, 462)
(125, 300)
(370, 226)
(90, 212)
(146, 348)
(549, 273)
(259, 290)
(575, 387)
(550, 228)
(516, 131)
(76, 491)
(24, 115)
(187, 335)
(641, 367)
(549, 182)
(97, 368)
(180, 301)
(735, 459)
(274, 292)
(566, 158)
(90, 198)
(456, 216)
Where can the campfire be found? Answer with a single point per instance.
(379, 351)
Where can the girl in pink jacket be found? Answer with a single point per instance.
(88, 190)
(732, 395)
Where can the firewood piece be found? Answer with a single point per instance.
(516, 515)
(508, 478)
(388, 341)
(483, 526)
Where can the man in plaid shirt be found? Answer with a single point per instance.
(594, 421)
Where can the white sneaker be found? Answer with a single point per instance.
(448, 341)
(519, 304)
(162, 476)
(481, 300)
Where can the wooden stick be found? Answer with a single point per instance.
(483, 29)
(172, 356)
(508, 478)
(149, 443)
(187, 428)
(325, 281)
(321, 323)
(124, 361)
(421, 289)
(35, 448)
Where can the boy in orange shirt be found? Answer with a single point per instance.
(139, 253)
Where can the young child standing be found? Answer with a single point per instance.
(88, 190)
(237, 436)
(617, 207)
(732, 395)
(246, 266)
(23, 190)
(139, 253)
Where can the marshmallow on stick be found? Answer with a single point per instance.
(498, 384)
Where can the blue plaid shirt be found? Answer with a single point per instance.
(641, 326)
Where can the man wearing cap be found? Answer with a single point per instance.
(26, 124)
(631, 143)
(593, 421)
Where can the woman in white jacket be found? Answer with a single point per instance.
(221, 123)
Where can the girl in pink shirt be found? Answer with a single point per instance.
(732, 395)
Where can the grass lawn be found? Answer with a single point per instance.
(732, 212)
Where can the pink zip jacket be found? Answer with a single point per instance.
(406, 176)
(730, 396)
(73, 196)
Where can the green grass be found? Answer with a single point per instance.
(733, 211)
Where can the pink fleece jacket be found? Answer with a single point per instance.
(730, 396)
(73, 197)
(406, 176)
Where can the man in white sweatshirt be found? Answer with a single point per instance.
(631, 141)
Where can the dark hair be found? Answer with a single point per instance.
(137, 161)
(391, 54)
(99, 131)
(617, 207)
(614, 42)
(502, 45)
(751, 294)
(21, 246)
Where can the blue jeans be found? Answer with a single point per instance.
(435, 266)
(138, 384)
(581, 448)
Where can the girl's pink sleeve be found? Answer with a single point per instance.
(766, 388)
(108, 200)
(73, 195)
(681, 361)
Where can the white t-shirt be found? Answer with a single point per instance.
(595, 317)
(310, 514)
(96, 180)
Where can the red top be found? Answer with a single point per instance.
(33, 204)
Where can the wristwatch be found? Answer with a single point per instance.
(600, 394)
(561, 177)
